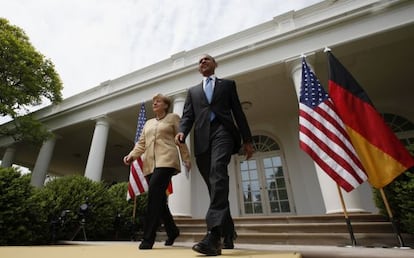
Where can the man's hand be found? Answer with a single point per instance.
(179, 138)
(187, 165)
(248, 149)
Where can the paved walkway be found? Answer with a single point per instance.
(183, 250)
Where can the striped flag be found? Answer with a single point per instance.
(382, 154)
(322, 134)
(137, 182)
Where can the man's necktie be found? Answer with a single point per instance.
(209, 89)
(209, 94)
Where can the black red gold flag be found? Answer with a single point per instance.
(382, 154)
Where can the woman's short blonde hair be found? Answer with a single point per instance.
(164, 99)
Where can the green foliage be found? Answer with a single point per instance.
(31, 215)
(21, 221)
(69, 193)
(399, 194)
(27, 128)
(27, 78)
(126, 224)
(400, 198)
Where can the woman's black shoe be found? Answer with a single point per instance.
(170, 240)
(145, 245)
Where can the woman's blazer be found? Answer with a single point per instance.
(157, 147)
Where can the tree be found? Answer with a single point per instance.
(27, 79)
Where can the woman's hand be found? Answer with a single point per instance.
(127, 160)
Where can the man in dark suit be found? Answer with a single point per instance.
(212, 106)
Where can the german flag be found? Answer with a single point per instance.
(381, 153)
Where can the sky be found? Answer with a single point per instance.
(92, 41)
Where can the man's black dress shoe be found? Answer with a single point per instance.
(145, 245)
(228, 241)
(210, 245)
(170, 240)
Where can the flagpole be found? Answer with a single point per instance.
(348, 221)
(135, 208)
(393, 222)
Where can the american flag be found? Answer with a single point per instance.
(137, 182)
(322, 134)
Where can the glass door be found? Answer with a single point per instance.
(264, 186)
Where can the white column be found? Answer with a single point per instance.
(328, 186)
(96, 156)
(42, 163)
(8, 157)
(180, 201)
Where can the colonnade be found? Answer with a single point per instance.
(180, 201)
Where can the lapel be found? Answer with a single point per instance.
(201, 94)
(217, 88)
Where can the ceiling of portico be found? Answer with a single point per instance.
(382, 64)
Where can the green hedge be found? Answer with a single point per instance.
(21, 219)
(42, 215)
(399, 194)
(127, 227)
(68, 194)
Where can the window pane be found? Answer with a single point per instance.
(253, 175)
(255, 185)
(277, 161)
(248, 209)
(285, 206)
(258, 208)
(274, 207)
(279, 172)
(256, 197)
(246, 186)
(280, 183)
(252, 164)
(271, 185)
(244, 175)
(267, 163)
(243, 165)
(269, 173)
(247, 196)
(272, 195)
(282, 194)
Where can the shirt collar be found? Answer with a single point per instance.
(213, 77)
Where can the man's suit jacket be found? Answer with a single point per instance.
(225, 104)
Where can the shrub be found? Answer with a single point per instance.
(21, 220)
(126, 225)
(400, 198)
(72, 201)
(57, 211)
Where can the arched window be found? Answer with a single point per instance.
(262, 143)
(403, 128)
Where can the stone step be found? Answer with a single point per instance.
(373, 227)
(334, 239)
(368, 230)
(294, 219)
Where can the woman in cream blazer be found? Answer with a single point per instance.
(161, 161)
